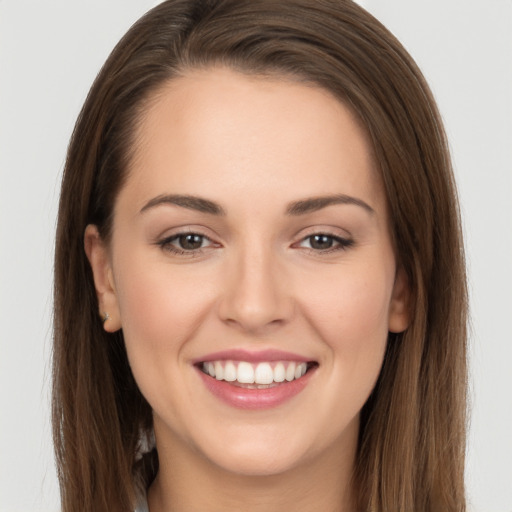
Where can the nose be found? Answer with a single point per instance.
(257, 295)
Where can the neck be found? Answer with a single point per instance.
(188, 482)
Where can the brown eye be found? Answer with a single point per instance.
(190, 241)
(321, 242)
(186, 244)
(325, 243)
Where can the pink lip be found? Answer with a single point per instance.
(251, 357)
(251, 399)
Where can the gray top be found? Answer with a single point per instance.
(142, 505)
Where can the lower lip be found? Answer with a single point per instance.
(246, 398)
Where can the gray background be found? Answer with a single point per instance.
(50, 51)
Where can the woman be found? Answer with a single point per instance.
(259, 259)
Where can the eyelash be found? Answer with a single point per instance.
(166, 244)
(340, 244)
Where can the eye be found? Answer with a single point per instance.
(189, 241)
(324, 242)
(185, 243)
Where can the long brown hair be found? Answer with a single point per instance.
(412, 434)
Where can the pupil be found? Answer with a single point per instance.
(191, 241)
(321, 242)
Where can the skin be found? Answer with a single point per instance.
(252, 145)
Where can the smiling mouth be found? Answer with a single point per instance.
(261, 375)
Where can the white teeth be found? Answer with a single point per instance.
(264, 374)
(219, 371)
(261, 374)
(300, 370)
(245, 373)
(279, 372)
(290, 372)
(230, 372)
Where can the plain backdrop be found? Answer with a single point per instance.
(50, 52)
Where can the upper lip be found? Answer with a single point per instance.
(252, 356)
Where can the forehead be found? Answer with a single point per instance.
(222, 131)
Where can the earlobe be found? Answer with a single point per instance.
(98, 256)
(399, 307)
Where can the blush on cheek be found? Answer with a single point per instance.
(161, 311)
(359, 310)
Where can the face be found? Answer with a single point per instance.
(252, 271)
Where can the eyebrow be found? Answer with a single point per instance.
(314, 204)
(295, 208)
(191, 202)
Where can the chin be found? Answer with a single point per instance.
(261, 452)
(257, 464)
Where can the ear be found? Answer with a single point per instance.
(98, 256)
(399, 307)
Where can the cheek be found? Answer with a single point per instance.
(350, 315)
(160, 309)
(350, 309)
